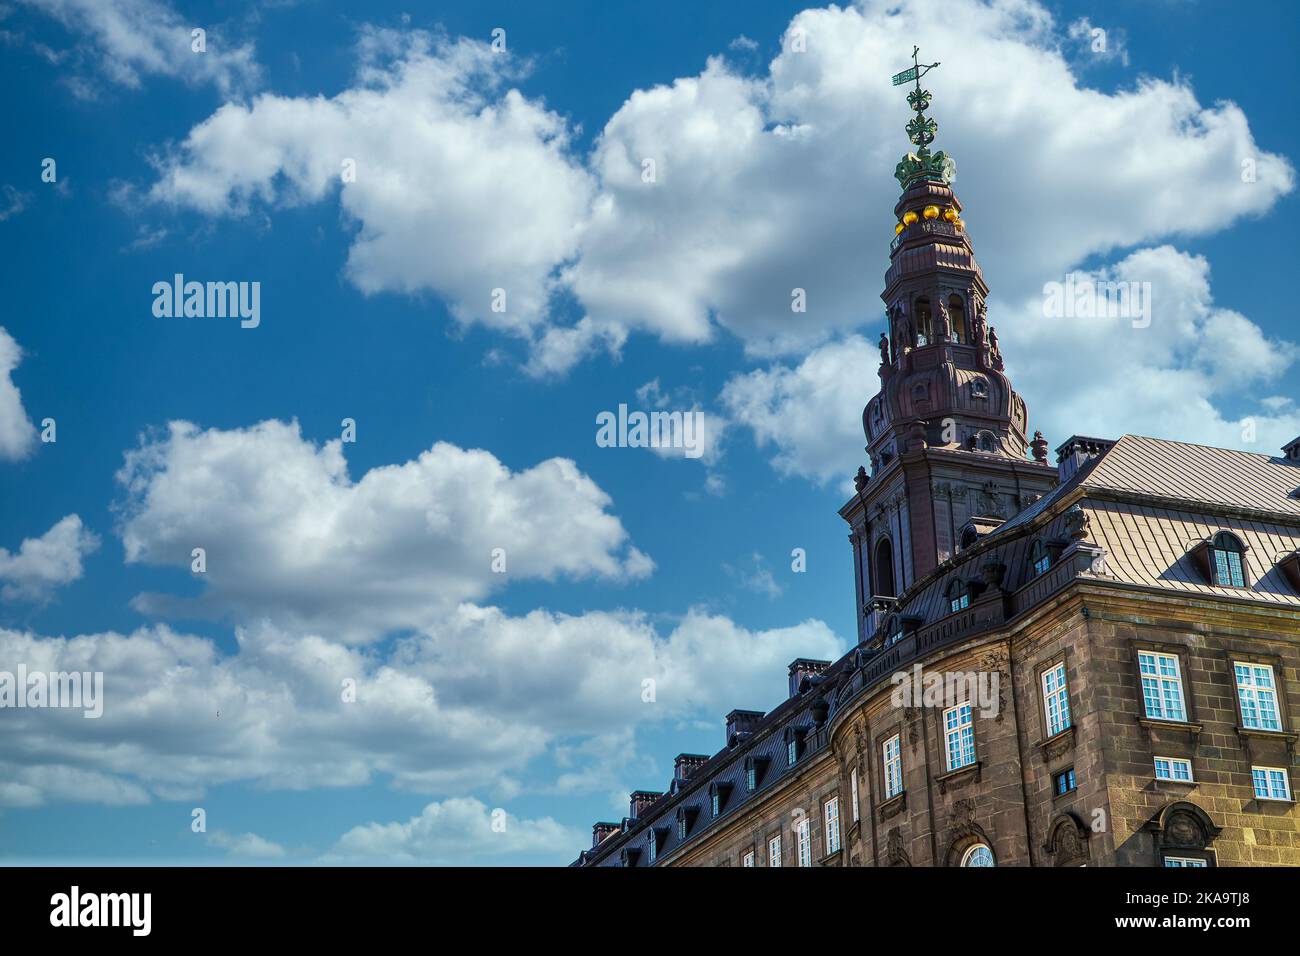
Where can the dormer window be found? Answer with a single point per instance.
(1221, 559)
(1229, 560)
(986, 442)
(718, 793)
(754, 769)
(653, 843)
(685, 818)
(1040, 559)
(958, 596)
(629, 856)
(794, 745)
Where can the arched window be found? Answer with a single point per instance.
(986, 442)
(978, 855)
(968, 538)
(1229, 561)
(958, 596)
(1039, 559)
(884, 568)
(957, 312)
(924, 333)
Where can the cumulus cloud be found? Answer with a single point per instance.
(247, 846)
(462, 187)
(782, 181)
(17, 433)
(461, 831)
(439, 712)
(810, 414)
(708, 201)
(42, 564)
(127, 40)
(394, 549)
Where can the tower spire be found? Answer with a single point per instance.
(920, 131)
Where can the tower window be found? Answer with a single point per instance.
(1229, 554)
(957, 312)
(885, 568)
(924, 320)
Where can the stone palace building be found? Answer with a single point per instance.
(1095, 662)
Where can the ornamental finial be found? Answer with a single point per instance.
(920, 130)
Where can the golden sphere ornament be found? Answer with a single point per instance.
(950, 214)
(898, 228)
(909, 217)
(931, 212)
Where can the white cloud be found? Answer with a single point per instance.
(461, 186)
(17, 433)
(247, 846)
(783, 181)
(397, 548)
(42, 564)
(811, 413)
(762, 184)
(130, 39)
(461, 831)
(1197, 373)
(476, 699)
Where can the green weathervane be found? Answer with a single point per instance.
(920, 130)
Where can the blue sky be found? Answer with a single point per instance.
(478, 169)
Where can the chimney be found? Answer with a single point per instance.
(1292, 450)
(601, 832)
(639, 800)
(686, 764)
(803, 667)
(741, 722)
(1078, 450)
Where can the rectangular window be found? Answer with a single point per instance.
(1227, 569)
(652, 850)
(1063, 782)
(1174, 768)
(1184, 861)
(681, 827)
(1056, 699)
(959, 736)
(1162, 686)
(751, 777)
(1271, 783)
(853, 793)
(831, 811)
(1258, 696)
(774, 851)
(960, 602)
(803, 842)
(792, 751)
(747, 859)
(716, 801)
(893, 767)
